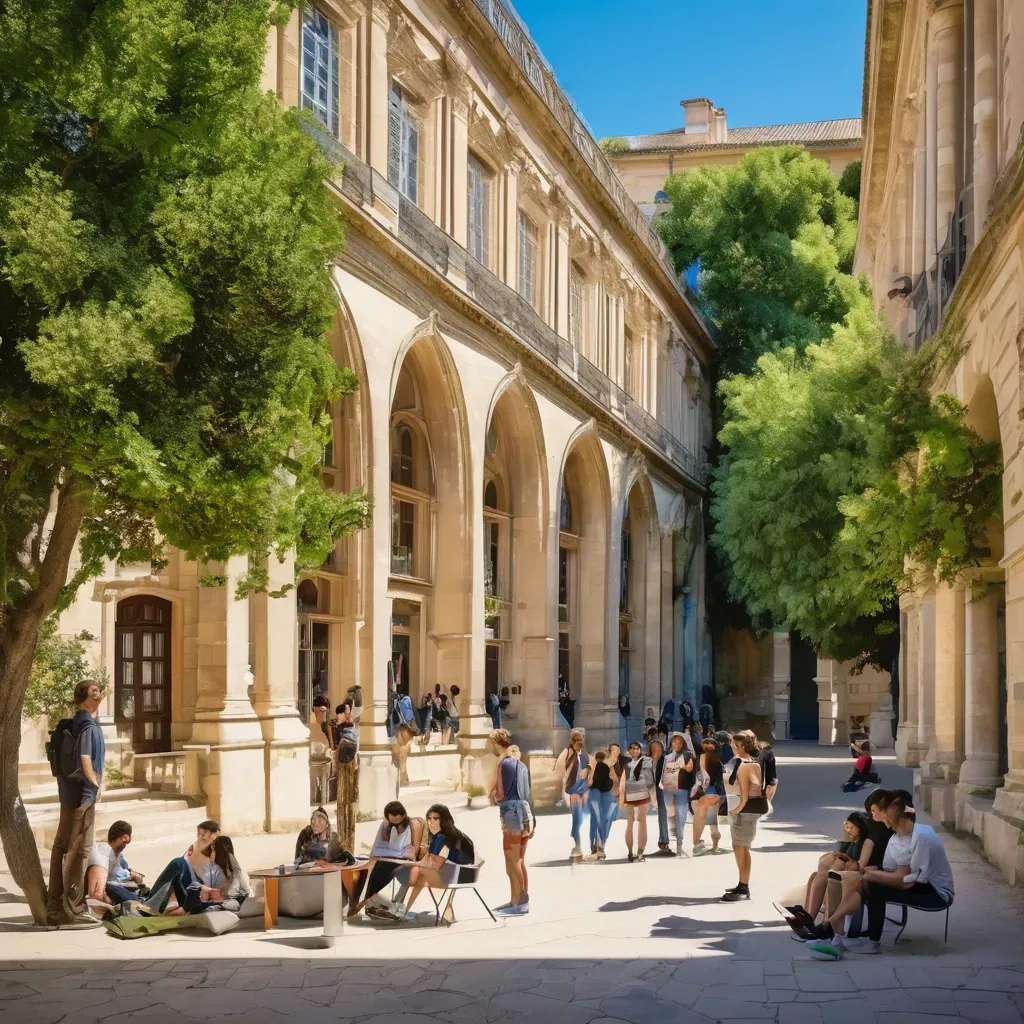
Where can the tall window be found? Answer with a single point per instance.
(625, 553)
(320, 75)
(401, 459)
(527, 259)
(403, 144)
(406, 500)
(575, 307)
(479, 211)
(403, 537)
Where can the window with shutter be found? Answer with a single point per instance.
(403, 144)
(479, 187)
(575, 307)
(320, 85)
(527, 259)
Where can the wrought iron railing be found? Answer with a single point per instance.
(438, 250)
(921, 301)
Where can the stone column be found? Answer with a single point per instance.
(285, 736)
(511, 254)
(828, 711)
(459, 170)
(1010, 798)
(926, 674)
(377, 87)
(980, 769)
(947, 27)
(907, 747)
(986, 126)
(227, 733)
(945, 752)
(931, 244)
(562, 277)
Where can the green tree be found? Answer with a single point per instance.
(165, 243)
(60, 663)
(774, 236)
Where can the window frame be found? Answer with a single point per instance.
(479, 244)
(527, 236)
(328, 113)
(403, 127)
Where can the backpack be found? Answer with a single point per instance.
(346, 751)
(62, 750)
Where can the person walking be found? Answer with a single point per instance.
(347, 754)
(656, 752)
(635, 795)
(602, 802)
(707, 794)
(576, 766)
(78, 790)
(769, 773)
(677, 778)
(747, 803)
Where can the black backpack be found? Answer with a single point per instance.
(62, 750)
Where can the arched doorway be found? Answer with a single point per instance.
(142, 671)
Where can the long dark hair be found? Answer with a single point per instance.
(449, 831)
(395, 807)
(223, 854)
(712, 763)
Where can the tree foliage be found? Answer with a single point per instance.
(774, 236)
(60, 663)
(165, 243)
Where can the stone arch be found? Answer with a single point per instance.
(581, 569)
(436, 574)
(515, 541)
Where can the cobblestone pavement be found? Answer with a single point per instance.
(604, 943)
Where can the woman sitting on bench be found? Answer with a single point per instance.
(442, 843)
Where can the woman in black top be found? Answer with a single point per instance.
(602, 802)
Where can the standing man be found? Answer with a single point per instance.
(347, 753)
(78, 792)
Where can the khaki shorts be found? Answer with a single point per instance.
(742, 829)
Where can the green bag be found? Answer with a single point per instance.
(124, 927)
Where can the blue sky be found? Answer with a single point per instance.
(765, 61)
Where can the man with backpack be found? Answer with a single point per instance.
(76, 751)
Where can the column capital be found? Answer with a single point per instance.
(381, 13)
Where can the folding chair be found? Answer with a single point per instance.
(902, 922)
(463, 877)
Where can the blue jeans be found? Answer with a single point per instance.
(179, 878)
(596, 816)
(119, 894)
(576, 809)
(662, 817)
(609, 803)
(677, 803)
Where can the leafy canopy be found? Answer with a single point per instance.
(774, 236)
(165, 242)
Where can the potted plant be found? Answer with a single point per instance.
(474, 793)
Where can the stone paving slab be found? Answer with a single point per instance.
(603, 944)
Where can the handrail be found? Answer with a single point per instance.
(438, 250)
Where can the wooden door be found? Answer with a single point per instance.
(142, 671)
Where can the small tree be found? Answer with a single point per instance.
(165, 245)
(59, 665)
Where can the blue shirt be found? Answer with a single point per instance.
(90, 743)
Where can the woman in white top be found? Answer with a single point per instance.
(635, 789)
(676, 782)
(746, 804)
(398, 838)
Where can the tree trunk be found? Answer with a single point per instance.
(18, 636)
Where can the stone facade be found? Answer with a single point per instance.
(643, 162)
(531, 421)
(940, 235)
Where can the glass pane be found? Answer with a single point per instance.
(128, 703)
(148, 729)
(158, 644)
(147, 645)
(147, 673)
(320, 634)
(158, 673)
(128, 674)
(148, 694)
(148, 612)
(127, 645)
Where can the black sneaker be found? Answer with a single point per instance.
(735, 896)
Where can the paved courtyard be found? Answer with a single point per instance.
(603, 943)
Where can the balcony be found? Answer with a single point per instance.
(436, 249)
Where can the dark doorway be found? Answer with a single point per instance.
(400, 660)
(492, 668)
(142, 671)
(803, 690)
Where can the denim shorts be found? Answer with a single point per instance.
(578, 788)
(515, 815)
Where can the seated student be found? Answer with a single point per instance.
(442, 849)
(230, 883)
(108, 878)
(398, 836)
(863, 773)
(319, 841)
(847, 894)
(191, 878)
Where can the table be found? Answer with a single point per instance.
(334, 919)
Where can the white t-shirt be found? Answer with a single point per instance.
(924, 853)
(395, 845)
(102, 856)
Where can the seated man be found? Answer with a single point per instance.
(863, 772)
(194, 878)
(108, 879)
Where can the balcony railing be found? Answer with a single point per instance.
(435, 248)
(525, 53)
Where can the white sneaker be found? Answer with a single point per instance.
(700, 848)
(863, 947)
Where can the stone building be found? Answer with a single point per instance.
(531, 423)
(645, 161)
(940, 235)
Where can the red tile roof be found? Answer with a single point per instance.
(845, 131)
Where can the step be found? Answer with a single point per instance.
(41, 796)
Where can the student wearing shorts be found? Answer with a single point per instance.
(512, 795)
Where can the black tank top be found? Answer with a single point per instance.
(602, 778)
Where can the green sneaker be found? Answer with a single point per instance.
(826, 949)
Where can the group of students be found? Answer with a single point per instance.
(675, 781)
(886, 857)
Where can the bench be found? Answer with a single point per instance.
(902, 922)
(464, 876)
